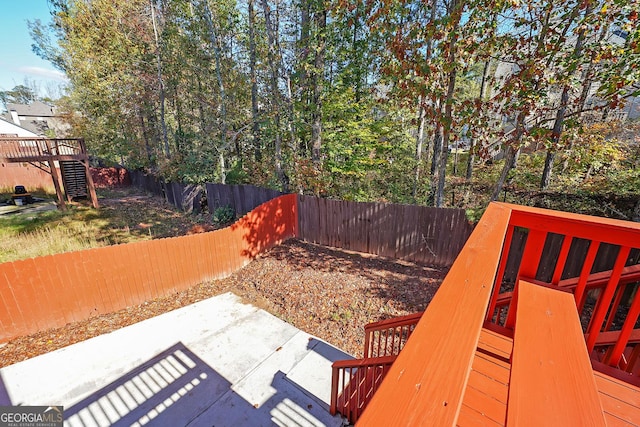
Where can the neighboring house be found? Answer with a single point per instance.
(27, 174)
(8, 128)
(37, 117)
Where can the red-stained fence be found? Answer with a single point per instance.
(110, 177)
(50, 291)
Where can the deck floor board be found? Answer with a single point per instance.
(490, 373)
(619, 399)
(471, 417)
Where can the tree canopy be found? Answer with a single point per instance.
(360, 99)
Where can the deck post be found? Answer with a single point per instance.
(54, 175)
(87, 171)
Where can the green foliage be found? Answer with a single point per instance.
(365, 145)
(20, 94)
(348, 77)
(223, 215)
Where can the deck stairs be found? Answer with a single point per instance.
(74, 179)
(49, 154)
(354, 382)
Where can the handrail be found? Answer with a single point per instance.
(354, 383)
(41, 149)
(427, 382)
(388, 337)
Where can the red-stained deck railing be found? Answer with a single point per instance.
(388, 337)
(426, 384)
(354, 382)
(608, 301)
(41, 149)
(430, 378)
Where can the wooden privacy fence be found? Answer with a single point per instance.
(415, 233)
(147, 182)
(242, 198)
(51, 291)
(183, 196)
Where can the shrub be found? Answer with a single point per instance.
(223, 215)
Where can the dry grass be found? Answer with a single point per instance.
(48, 240)
(125, 215)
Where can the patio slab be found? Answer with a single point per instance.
(217, 362)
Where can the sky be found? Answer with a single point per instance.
(17, 60)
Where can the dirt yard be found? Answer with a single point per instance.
(326, 292)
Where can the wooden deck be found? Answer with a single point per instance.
(49, 154)
(486, 396)
(522, 357)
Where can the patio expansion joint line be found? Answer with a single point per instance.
(250, 371)
(277, 350)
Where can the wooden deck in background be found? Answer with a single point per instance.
(486, 396)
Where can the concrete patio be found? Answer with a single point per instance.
(218, 362)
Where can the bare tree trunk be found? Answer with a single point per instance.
(511, 156)
(161, 90)
(548, 169)
(145, 137)
(455, 15)
(273, 63)
(152, 129)
(304, 49)
(419, 143)
(472, 148)
(178, 107)
(201, 115)
(317, 83)
(361, 74)
(586, 88)
(560, 114)
(471, 159)
(435, 161)
(215, 45)
(508, 165)
(555, 139)
(254, 83)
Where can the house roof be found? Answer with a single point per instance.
(35, 109)
(9, 128)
